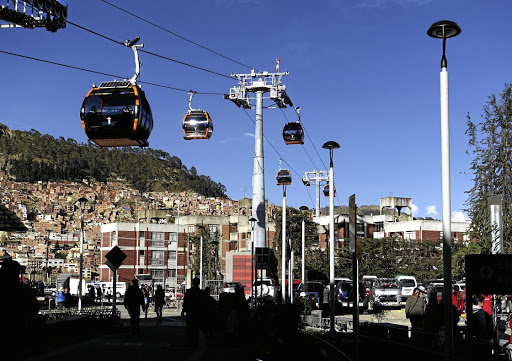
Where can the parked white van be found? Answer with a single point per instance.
(107, 288)
(407, 284)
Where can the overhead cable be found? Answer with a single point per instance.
(102, 73)
(175, 34)
(148, 52)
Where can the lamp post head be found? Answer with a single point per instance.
(253, 220)
(82, 202)
(331, 145)
(443, 29)
(303, 208)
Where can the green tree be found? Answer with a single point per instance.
(490, 144)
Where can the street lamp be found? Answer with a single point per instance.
(331, 145)
(82, 202)
(253, 221)
(445, 29)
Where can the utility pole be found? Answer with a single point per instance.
(259, 83)
(318, 177)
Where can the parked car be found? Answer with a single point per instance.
(407, 284)
(344, 293)
(385, 293)
(265, 287)
(232, 287)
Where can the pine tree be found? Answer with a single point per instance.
(490, 144)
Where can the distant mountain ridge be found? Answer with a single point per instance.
(29, 156)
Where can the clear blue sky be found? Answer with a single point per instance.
(364, 72)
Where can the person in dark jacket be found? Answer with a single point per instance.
(195, 306)
(133, 301)
(159, 302)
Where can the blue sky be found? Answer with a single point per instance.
(364, 73)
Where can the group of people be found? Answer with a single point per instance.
(430, 316)
(137, 299)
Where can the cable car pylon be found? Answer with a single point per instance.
(259, 83)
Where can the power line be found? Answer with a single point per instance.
(102, 73)
(148, 52)
(177, 35)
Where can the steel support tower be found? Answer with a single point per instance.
(318, 177)
(259, 83)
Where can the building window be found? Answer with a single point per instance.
(379, 226)
(233, 245)
(191, 229)
(213, 228)
(172, 256)
(157, 239)
(141, 252)
(171, 273)
(157, 275)
(141, 234)
(233, 227)
(173, 237)
(157, 258)
(410, 235)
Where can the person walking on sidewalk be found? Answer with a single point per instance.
(133, 301)
(415, 309)
(159, 302)
(195, 306)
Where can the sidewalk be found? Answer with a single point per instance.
(156, 342)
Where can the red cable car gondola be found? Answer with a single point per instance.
(117, 114)
(197, 124)
(326, 190)
(283, 177)
(293, 133)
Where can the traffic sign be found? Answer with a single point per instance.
(262, 258)
(115, 258)
(489, 273)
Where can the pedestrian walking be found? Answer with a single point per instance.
(415, 309)
(159, 302)
(194, 307)
(133, 301)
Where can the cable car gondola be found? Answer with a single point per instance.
(197, 124)
(293, 133)
(116, 113)
(283, 177)
(326, 190)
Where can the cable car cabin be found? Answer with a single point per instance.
(293, 133)
(117, 114)
(326, 190)
(197, 124)
(284, 177)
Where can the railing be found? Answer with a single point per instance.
(98, 313)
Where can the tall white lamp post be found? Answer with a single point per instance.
(331, 145)
(445, 29)
(82, 202)
(303, 256)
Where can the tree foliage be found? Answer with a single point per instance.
(490, 144)
(32, 157)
